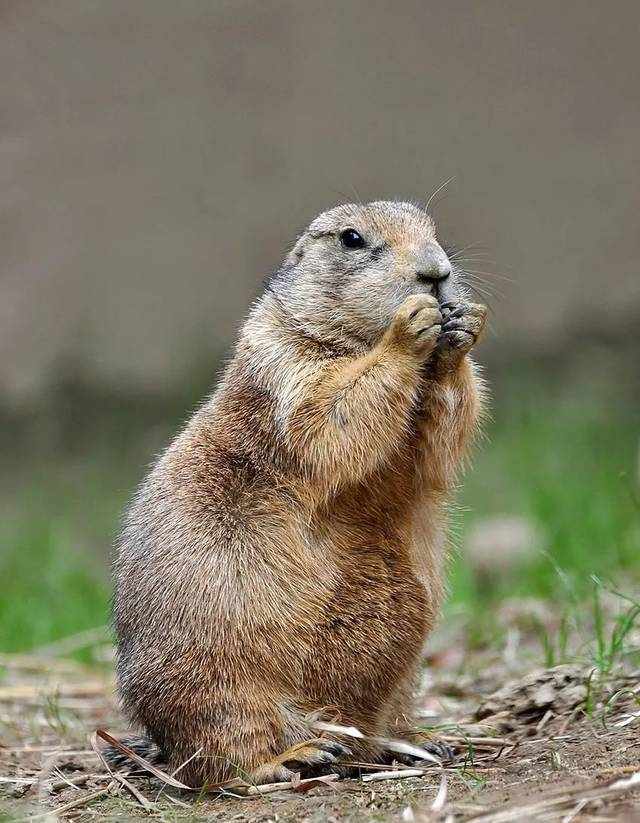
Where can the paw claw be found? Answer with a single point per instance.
(452, 325)
(313, 754)
(333, 747)
(434, 746)
(461, 327)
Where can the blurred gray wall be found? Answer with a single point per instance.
(158, 157)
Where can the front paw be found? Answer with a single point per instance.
(416, 326)
(462, 325)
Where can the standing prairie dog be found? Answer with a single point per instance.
(286, 552)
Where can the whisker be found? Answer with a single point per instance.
(478, 279)
(475, 261)
(436, 192)
(491, 274)
(351, 196)
(477, 290)
(488, 290)
(488, 295)
(465, 261)
(460, 263)
(469, 254)
(462, 249)
(356, 193)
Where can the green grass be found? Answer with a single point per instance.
(53, 560)
(569, 466)
(611, 642)
(563, 458)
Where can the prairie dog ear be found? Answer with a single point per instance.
(297, 252)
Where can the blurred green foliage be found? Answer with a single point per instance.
(566, 462)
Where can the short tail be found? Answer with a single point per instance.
(142, 746)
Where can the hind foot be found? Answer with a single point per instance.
(429, 743)
(308, 758)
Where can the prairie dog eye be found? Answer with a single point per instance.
(351, 239)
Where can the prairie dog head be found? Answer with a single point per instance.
(353, 267)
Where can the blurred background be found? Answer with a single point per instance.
(157, 160)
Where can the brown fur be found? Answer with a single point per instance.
(286, 552)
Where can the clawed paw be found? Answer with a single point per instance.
(462, 324)
(314, 753)
(430, 744)
(417, 324)
(311, 757)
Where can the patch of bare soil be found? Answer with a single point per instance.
(554, 744)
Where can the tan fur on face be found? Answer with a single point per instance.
(350, 299)
(286, 553)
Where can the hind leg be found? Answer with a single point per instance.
(259, 741)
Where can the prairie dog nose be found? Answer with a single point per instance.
(433, 264)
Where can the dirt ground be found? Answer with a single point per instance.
(530, 743)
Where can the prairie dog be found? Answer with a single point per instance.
(286, 552)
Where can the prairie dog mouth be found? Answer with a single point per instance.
(444, 290)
